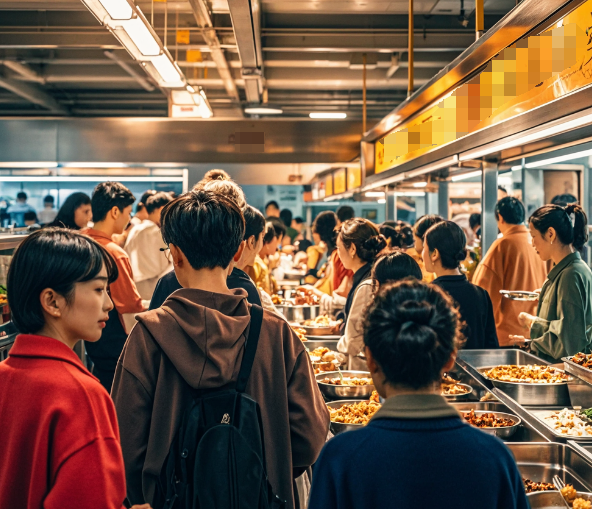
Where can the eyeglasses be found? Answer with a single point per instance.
(167, 252)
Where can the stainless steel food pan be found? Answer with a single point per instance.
(459, 397)
(483, 358)
(345, 391)
(532, 394)
(540, 413)
(298, 313)
(327, 343)
(579, 371)
(338, 427)
(319, 331)
(504, 432)
(551, 499)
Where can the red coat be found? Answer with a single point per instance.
(60, 442)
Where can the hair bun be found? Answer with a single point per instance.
(376, 243)
(461, 255)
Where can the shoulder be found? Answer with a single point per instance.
(277, 328)
(576, 272)
(338, 450)
(493, 448)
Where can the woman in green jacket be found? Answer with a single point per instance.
(563, 325)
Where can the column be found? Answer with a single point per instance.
(488, 201)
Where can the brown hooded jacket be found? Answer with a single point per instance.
(197, 339)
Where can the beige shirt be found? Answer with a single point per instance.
(143, 247)
(352, 342)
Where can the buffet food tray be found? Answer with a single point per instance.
(576, 370)
(327, 343)
(539, 414)
(295, 313)
(345, 391)
(333, 338)
(483, 358)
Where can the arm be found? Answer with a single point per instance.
(352, 342)
(123, 291)
(77, 485)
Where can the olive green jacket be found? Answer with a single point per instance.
(564, 315)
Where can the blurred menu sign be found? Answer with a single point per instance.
(339, 181)
(354, 178)
(329, 185)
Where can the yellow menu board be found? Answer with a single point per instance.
(339, 181)
(354, 178)
(534, 71)
(329, 185)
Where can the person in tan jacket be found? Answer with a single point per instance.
(196, 339)
(510, 264)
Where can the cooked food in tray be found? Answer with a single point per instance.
(571, 495)
(321, 321)
(276, 299)
(301, 297)
(353, 380)
(532, 486)
(356, 413)
(567, 422)
(518, 295)
(487, 420)
(449, 389)
(583, 359)
(535, 374)
(374, 397)
(300, 332)
(325, 359)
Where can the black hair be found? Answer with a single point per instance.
(142, 203)
(286, 216)
(365, 236)
(49, 199)
(108, 195)
(394, 266)
(502, 189)
(559, 218)
(65, 217)
(278, 226)
(30, 216)
(511, 209)
(450, 241)
(158, 200)
(345, 213)
(254, 222)
(563, 199)
(53, 258)
(298, 220)
(424, 223)
(324, 225)
(21, 196)
(475, 220)
(207, 227)
(302, 245)
(399, 233)
(269, 233)
(272, 203)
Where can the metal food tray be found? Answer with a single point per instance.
(295, 313)
(458, 397)
(576, 370)
(538, 414)
(333, 338)
(522, 296)
(501, 432)
(541, 461)
(327, 343)
(319, 330)
(345, 391)
(551, 499)
(339, 427)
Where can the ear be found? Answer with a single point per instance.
(241, 250)
(435, 255)
(450, 364)
(352, 250)
(52, 303)
(115, 212)
(551, 234)
(370, 361)
(178, 256)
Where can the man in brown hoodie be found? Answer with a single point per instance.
(196, 340)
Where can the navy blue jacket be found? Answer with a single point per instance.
(442, 463)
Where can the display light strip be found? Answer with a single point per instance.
(466, 176)
(558, 159)
(98, 178)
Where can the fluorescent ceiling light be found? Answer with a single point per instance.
(89, 179)
(138, 32)
(558, 159)
(15, 164)
(420, 184)
(190, 89)
(166, 69)
(328, 115)
(374, 194)
(466, 176)
(516, 168)
(417, 194)
(117, 9)
(382, 200)
(94, 165)
(262, 110)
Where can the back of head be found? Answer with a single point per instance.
(207, 227)
(302, 245)
(412, 329)
(157, 201)
(142, 203)
(108, 195)
(269, 233)
(511, 210)
(53, 258)
(215, 174)
(298, 220)
(474, 220)
(278, 226)
(227, 188)
(424, 223)
(345, 213)
(254, 222)
(286, 216)
(324, 225)
(450, 241)
(22, 196)
(272, 208)
(49, 200)
(365, 236)
(569, 222)
(395, 267)
(66, 213)
(398, 233)
(563, 199)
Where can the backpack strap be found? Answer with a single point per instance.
(250, 347)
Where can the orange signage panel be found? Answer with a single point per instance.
(339, 181)
(329, 185)
(354, 178)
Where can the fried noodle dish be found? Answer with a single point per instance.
(487, 420)
(534, 374)
(355, 413)
(347, 381)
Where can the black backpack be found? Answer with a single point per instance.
(217, 459)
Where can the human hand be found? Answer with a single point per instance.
(517, 340)
(141, 506)
(526, 320)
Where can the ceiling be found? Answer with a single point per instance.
(57, 59)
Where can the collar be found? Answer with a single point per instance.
(568, 260)
(224, 303)
(239, 274)
(91, 232)
(43, 347)
(416, 406)
(460, 277)
(514, 229)
(361, 273)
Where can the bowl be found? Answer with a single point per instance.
(339, 427)
(345, 391)
(551, 499)
(298, 314)
(459, 397)
(503, 432)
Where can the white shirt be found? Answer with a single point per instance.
(47, 215)
(143, 247)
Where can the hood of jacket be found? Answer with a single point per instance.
(202, 334)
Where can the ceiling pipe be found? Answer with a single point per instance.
(479, 19)
(410, 51)
(33, 94)
(23, 70)
(142, 81)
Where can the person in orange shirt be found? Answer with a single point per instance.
(510, 264)
(111, 207)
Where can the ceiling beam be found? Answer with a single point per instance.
(142, 81)
(33, 94)
(54, 40)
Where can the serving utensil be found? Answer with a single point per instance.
(559, 484)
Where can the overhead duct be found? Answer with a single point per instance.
(246, 22)
(33, 94)
(142, 81)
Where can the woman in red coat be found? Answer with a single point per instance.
(60, 441)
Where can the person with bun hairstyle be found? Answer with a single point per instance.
(398, 234)
(422, 225)
(563, 322)
(392, 267)
(401, 458)
(358, 243)
(61, 447)
(444, 247)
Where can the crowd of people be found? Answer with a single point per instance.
(175, 307)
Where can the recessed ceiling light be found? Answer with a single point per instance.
(18, 164)
(328, 115)
(420, 184)
(263, 110)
